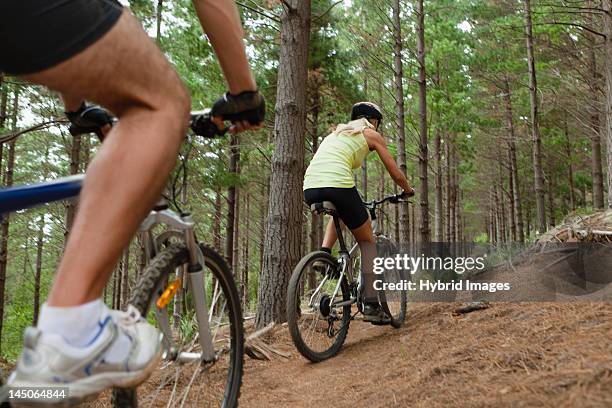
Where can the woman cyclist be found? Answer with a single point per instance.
(329, 177)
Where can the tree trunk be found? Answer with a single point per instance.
(423, 150)
(244, 280)
(75, 164)
(236, 241)
(234, 157)
(512, 215)
(398, 74)
(447, 189)
(217, 220)
(126, 278)
(528, 218)
(284, 227)
(608, 73)
(5, 225)
(364, 164)
(39, 255)
(158, 20)
(535, 126)
(38, 268)
(570, 170)
(596, 167)
(315, 102)
(3, 104)
(438, 217)
(262, 224)
(551, 201)
(438, 204)
(116, 288)
(516, 199)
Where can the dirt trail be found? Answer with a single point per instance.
(518, 355)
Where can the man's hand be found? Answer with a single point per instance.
(246, 111)
(90, 119)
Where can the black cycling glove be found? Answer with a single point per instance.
(247, 105)
(89, 119)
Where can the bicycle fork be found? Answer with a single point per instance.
(184, 226)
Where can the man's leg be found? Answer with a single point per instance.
(79, 343)
(125, 72)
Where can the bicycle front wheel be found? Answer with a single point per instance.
(220, 386)
(318, 328)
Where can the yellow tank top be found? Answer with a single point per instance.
(338, 155)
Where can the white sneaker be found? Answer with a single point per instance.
(48, 360)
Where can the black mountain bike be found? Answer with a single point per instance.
(323, 288)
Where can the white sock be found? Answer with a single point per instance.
(78, 325)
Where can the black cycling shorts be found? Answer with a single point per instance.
(347, 201)
(39, 34)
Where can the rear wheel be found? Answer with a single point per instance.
(393, 302)
(318, 329)
(220, 386)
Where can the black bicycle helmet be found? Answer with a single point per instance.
(366, 110)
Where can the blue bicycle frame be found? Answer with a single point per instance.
(22, 197)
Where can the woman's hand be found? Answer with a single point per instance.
(408, 193)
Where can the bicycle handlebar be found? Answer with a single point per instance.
(393, 199)
(201, 124)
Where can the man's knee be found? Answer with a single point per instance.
(181, 104)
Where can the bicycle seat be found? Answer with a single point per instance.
(325, 207)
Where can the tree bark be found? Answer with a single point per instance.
(5, 225)
(594, 85)
(125, 284)
(75, 164)
(398, 75)
(234, 157)
(516, 199)
(447, 188)
(607, 4)
(570, 170)
(244, 280)
(284, 227)
(158, 20)
(551, 201)
(535, 121)
(438, 200)
(423, 149)
(364, 164)
(3, 104)
(511, 215)
(438, 209)
(236, 241)
(217, 220)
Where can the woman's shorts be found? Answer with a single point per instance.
(347, 201)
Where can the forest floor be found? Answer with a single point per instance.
(511, 354)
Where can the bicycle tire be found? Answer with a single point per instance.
(293, 298)
(165, 263)
(385, 248)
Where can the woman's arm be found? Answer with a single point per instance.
(377, 142)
